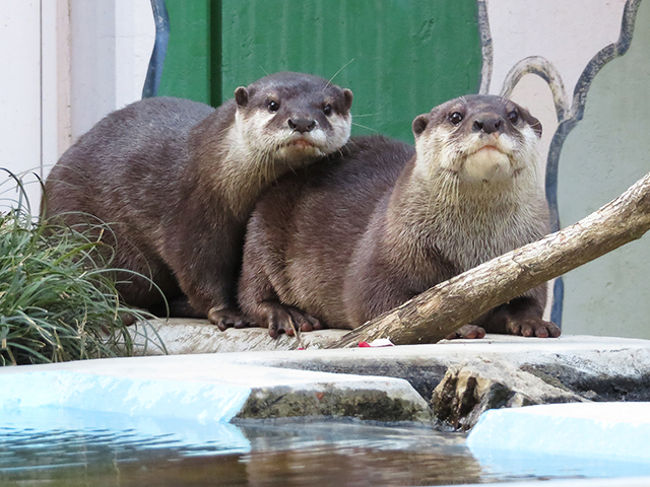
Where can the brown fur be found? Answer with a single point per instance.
(176, 180)
(340, 243)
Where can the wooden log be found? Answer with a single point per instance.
(437, 312)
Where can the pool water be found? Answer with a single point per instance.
(273, 453)
(66, 449)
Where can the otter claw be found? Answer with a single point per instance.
(467, 331)
(290, 321)
(535, 327)
(227, 318)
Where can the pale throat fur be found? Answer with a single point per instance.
(457, 183)
(268, 153)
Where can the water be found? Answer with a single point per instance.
(68, 449)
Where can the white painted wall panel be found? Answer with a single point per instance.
(50, 72)
(566, 33)
(134, 37)
(111, 45)
(92, 35)
(602, 156)
(20, 97)
(66, 64)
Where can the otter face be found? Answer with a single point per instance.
(478, 139)
(293, 116)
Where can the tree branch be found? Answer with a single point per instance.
(437, 312)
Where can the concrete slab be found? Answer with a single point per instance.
(596, 366)
(457, 380)
(610, 431)
(598, 439)
(463, 378)
(189, 336)
(186, 336)
(615, 482)
(206, 388)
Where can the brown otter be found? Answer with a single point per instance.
(341, 243)
(177, 181)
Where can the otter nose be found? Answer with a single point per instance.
(487, 124)
(301, 125)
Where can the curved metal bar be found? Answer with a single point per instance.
(154, 71)
(486, 47)
(544, 69)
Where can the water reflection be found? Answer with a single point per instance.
(47, 449)
(71, 448)
(294, 453)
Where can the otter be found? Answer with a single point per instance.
(343, 242)
(176, 181)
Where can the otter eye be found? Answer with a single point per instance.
(327, 109)
(456, 118)
(513, 116)
(273, 105)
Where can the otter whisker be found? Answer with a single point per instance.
(365, 115)
(329, 81)
(365, 127)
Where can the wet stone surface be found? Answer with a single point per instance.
(458, 379)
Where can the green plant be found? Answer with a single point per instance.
(57, 294)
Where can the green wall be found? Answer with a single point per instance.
(187, 70)
(400, 57)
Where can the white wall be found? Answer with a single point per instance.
(66, 64)
(606, 151)
(604, 154)
(111, 42)
(567, 34)
(20, 87)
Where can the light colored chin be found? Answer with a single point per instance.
(486, 165)
(298, 152)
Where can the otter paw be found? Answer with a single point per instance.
(127, 318)
(290, 321)
(467, 331)
(227, 318)
(534, 327)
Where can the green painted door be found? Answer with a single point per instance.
(400, 57)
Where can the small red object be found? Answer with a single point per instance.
(364, 344)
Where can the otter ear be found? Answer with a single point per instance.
(420, 123)
(347, 96)
(241, 96)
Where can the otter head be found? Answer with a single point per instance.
(293, 116)
(478, 139)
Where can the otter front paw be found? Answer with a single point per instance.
(290, 321)
(227, 318)
(533, 327)
(467, 331)
(127, 318)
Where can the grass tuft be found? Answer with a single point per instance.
(58, 300)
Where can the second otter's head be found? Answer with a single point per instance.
(477, 139)
(293, 116)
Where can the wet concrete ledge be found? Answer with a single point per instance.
(205, 388)
(458, 379)
(451, 383)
